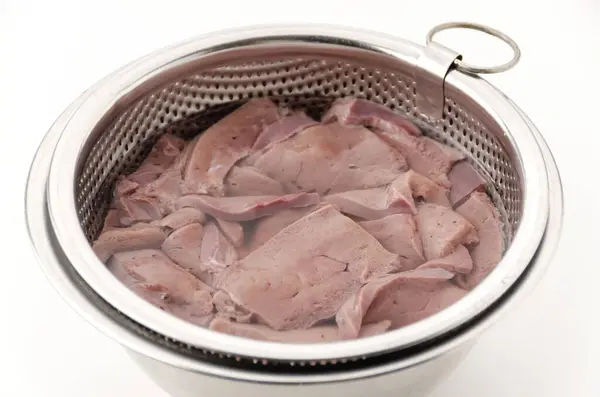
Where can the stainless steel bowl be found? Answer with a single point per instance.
(185, 88)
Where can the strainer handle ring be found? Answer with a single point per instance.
(467, 67)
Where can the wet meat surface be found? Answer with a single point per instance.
(273, 226)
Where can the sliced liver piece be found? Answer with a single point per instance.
(370, 203)
(377, 203)
(183, 247)
(350, 316)
(247, 208)
(140, 208)
(232, 230)
(399, 235)
(424, 189)
(269, 226)
(465, 179)
(442, 230)
(413, 301)
(248, 181)
(180, 218)
(424, 155)
(283, 129)
(124, 187)
(164, 152)
(228, 309)
(216, 253)
(196, 309)
(114, 219)
(396, 198)
(151, 274)
(155, 199)
(457, 262)
(370, 114)
(222, 145)
(317, 334)
(332, 158)
(126, 239)
(304, 273)
(480, 211)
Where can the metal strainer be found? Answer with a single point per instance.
(185, 88)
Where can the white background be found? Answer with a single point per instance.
(50, 51)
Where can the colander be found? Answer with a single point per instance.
(185, 88)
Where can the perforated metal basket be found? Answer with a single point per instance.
(183, 89)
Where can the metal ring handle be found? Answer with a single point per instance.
(467, 67)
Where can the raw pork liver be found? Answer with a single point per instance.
(465, 180)
(248, 181)
(332, 158)
(131, 238)
(423, 154)
(399, 235)
(369, 114)
(350, 317)
(480, 211)
(306, 271)
(272, 226)
(246, 208)
(225, 143)
(442, 230)
(153, 276)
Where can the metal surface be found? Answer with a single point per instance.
(469, 68)
(179, 88)
(430, 75)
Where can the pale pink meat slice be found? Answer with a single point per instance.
(180, 218)
(375, 203)
(465, 179)
(227, 308)
(399, 235)
(123, 187)
(396, 198)
(332, 158)
(126, 239)
(248, 181)
(155, 199)
(457, 262)
(412, 302)
(423, 188)
(232, 230)
(216, 253)
(282, 129)
(153, 276)
(246, 208)
(136, 193)
(424, 155)
(304, 273)
(370, 114)
(222, 145)
(481, 212)
(183, 247)
(442, 230)
(196, 309)
(115, 218)
(141, 208)
(269, 226)
(166, 149)
(317, 334)
(350, 316)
